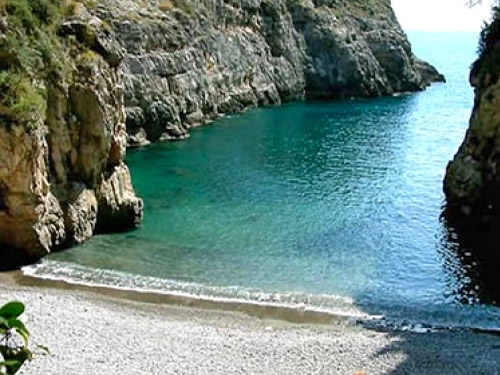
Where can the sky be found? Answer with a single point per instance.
(441, 15)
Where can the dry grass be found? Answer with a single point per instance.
(165, 5)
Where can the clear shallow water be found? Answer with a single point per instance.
(331, 205)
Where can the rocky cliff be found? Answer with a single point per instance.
(190, 61)
(62, 132)
(472, 182)
(74, 74)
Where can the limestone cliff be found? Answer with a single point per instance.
(74, 74)
(190, 61)
(62, 175)
(472, 182)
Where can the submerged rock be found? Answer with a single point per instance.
(188, 62)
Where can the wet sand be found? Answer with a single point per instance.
(91, 331)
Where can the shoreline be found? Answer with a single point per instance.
(271, 311)
(90, 331)
(267, 306)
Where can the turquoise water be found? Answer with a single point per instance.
(332, 205)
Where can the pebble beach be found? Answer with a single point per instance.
(91, 333)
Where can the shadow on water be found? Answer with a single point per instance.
(469, 251)
(475, 245)
(471, 259)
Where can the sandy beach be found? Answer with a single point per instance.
(91, 333)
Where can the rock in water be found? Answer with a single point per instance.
(190, 61)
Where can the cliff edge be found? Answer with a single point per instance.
(189, 61)
(472, 182)
(76, 75)
(62, 130)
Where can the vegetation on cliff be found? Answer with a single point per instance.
(490, 33)
(61, 77)
(488, 50)
(30, 53)
(62, 133)
(34, 51)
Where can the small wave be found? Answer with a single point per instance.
(337, 306)
(292, 306)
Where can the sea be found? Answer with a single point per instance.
(332, 207)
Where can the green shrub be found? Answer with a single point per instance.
(91, 4)
(21, 101)
(46, 11)
(488, 47)
(490, 33)
(31, 14)
(184, 5)
(31, 53)
(14, 338)
(19, 14)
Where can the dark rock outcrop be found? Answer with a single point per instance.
(190, 61)
(472, 182)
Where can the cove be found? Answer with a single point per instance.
(336, 205)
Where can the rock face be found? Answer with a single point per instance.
(159, 68)
(190, 61)
(472, 182)
(64, 177)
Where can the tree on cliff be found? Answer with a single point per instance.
(490, 33)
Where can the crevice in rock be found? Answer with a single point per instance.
(3, 198)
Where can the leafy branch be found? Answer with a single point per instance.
(14, 337)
